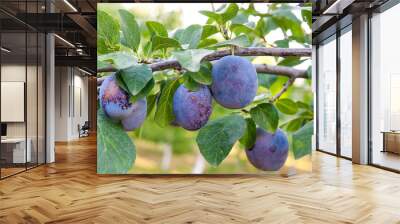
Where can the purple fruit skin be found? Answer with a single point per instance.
(192, 108)
(234, 82)
(138, 115)
(270, 151)
(114, 100)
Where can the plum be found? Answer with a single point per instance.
(270, 151)
(114, 100)
(192, 108)
(137, 116)
(234, 82)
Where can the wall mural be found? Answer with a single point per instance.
(204, 88)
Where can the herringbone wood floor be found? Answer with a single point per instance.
(69, 191)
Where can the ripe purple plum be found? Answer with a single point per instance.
(234, 82)
(270, 151)
(114, 100)
(136, 118)
(192, 108)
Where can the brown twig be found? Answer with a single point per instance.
(283, 90)
(289, 72)
(251, 51)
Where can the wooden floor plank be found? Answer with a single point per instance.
(70, 191)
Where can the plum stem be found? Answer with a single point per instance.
(283, 90)
(221, 27)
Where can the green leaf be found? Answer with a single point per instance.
(191, 59)
(208, 30)
(307, 15)
(151, 102)
(164, 114)
(266, 116)
(303, 105)
(178, 33)
(230, 12)
(240, 28)
(102, 47)
(212, 15)
(286, 106)
(239, 41)
(266, 80)
(121, 82)
(307, 114)
(293, 125)
(136, 77)
(120, 59)
(222, 17)
(282, 43)
(107, 29)
(102, 64)
(285, 12)
(130, 29)
(116, 152)
(302, 141)
(159, 42)
(264, 26)
(249, 137)
(147, 49)
(207, 43)
(190, 83)
(291, 61)
(286, 20)
(240, 18)
(203, 76)
(216, 139)
(309, 72)
(157, 28)
(144, 92)
(191, 36)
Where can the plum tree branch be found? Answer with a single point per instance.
(283, 90)
(251, 51)
(261, 51)
(289, 72)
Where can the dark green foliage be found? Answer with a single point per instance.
(249, 137)
(216, 139)
(115, 150)
(266, 116)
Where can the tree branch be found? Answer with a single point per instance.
(281, 71)
(261, 51)
(251, 51)
(289, 72)
(283, 90)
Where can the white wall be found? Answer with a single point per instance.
(16, 73)
(33, 126)
(62, 81)
(71, 94)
